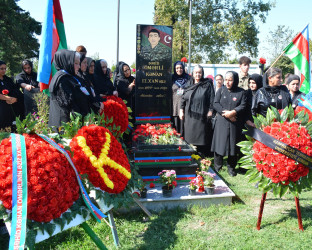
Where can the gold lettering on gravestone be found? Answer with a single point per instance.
(146, 96)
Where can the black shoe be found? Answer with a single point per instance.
(232, 172)
(218, 169)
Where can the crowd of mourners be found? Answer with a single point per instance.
(80, 85)
(209, 116)
(212, 116)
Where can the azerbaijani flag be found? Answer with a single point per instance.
(53, 39)
(298, 52)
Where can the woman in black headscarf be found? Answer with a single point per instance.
(293, 83)
(180, 81)
(27, 80)
(271, 94)
(196, 109)
(11, 100)
(230, 104)
(67, 94)
(85, 82)
(255, 82)
(125, 83)
(103, 84)
(90, 70)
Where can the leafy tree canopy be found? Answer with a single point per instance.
(217, 26)
(17, 39)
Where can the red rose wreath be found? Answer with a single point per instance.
(98, 154)
(115, 108)
(52, 183)
(270, 168)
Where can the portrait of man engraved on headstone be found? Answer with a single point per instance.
(155, 50)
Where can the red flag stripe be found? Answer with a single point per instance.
(302, 44)
(57, 10)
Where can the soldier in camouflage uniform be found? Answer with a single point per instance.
(155, 51)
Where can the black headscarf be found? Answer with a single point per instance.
(235, 80)
(90, 76)
(258, 79)
(63, 60)
(102, 83)
(199, 110)
(24, 77)
(180, 80)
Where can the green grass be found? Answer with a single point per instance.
(216, 227)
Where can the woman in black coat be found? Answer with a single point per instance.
(271, 94)
(230, 105)
(125, 83)
(67, 94)
(293, 83)
(11, 100)
(180, 81)
(27, 80)
(255, 82)
(102, 83)
(196, 109)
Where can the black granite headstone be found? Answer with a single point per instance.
(153, 74)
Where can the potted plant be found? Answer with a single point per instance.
(192, 187)
(142, 188)
(167, 178)
(208, 182)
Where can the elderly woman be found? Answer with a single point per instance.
(103, 84)
(125, 84)
(180, 81)
(11, 100)
(27, 80)
(293, 83)
(196, 109)
(255, 82)
(271, 94)
(230, 105)
(67, 94)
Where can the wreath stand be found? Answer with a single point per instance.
(262, 206)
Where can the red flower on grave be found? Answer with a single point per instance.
(152, 185)
(98, 154)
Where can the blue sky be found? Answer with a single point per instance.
(93, 23)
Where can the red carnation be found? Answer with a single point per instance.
(95, 139)
(262, 60)
(174, 183)
(152, 185)
(276, 166)
(52, 184)
(133, 70)
(5, 92)
(183, 59)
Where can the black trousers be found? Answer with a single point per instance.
(218, 161)
(178, 124)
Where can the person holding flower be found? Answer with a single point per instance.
(230, 105)
(196, 109)
(11, 100)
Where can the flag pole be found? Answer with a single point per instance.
(276, 60)
(190, 35)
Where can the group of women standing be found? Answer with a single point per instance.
(214, 121)
(82, 84)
